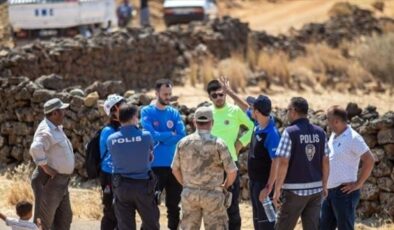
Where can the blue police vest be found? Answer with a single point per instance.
(307, 152)
(130, 148)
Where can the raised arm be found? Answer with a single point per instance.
(237, 99)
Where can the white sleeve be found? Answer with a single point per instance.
(10, 221)
(359, 147)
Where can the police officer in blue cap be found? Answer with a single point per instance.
(133, 182)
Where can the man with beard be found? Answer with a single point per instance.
(166, 127)
(228, 120)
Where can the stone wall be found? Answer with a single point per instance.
(136, 57)
(21, 112)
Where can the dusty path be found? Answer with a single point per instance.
(279, 17)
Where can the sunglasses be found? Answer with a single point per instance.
(216, 95)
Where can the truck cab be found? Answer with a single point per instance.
(48, 18)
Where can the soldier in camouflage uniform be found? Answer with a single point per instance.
(200, 163)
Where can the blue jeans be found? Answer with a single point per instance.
(339, 210)
(260, 220)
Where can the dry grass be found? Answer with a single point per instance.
(276, 65)
(236, 70)
(377, 55)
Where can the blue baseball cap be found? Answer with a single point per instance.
(261, 103)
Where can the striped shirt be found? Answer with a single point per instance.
(284, 150)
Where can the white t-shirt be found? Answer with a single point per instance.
(16, 224)
(345, 153)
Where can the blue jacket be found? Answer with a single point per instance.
(162, 124)
(106, 159)
(130, 148)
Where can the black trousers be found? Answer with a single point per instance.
(135, 195)
(108, 222)
(234, 216)
(167, 181)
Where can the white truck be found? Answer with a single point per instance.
(49, 18)
(185, 11)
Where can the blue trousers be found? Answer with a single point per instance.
(339, 210)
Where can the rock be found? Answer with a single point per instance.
(389, 150)
(383, 168)
(17, 153)
(51, 82)
(378, 154)
(387, 203)
(371, 140)
(386, 184)
(91, 99)
(369, 192)
(384, 122)
(4, 154)
(2, 141)
(386, 136)
(77, 103)
(42, 95)
(353, 110)
(77, 92)
(367, 208)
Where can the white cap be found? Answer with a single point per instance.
(112, 100)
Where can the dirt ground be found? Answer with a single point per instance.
(87, 208)
(192, 96)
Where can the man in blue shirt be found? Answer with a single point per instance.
(166, 127)
(134, 187)
(111, 108)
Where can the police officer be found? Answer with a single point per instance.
(134, 185)
(303, 169)
(200, 163)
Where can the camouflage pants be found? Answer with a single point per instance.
(203, 204)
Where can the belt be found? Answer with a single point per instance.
(219, 189)
(292, 186)
(128, 179)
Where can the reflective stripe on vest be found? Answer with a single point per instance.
(316, 184)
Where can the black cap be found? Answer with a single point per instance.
(261, 103)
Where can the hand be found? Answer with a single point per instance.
(238, 146)
(350, 187)
(225, 83)
(264, 193)
(38, 223)
(276, 200)
(49, 171)
(325, 192)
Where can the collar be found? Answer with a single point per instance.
(344, 133)
(127, 127)
(271, 123)
(51, 125)
(300, 120)
(203, 131)
(220, 109)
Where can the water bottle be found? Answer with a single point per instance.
(269, 209)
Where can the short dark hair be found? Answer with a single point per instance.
(127, 112)
(300, 105)
(159, 83)
(213, 86)
(338, 112)
(23, 208)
